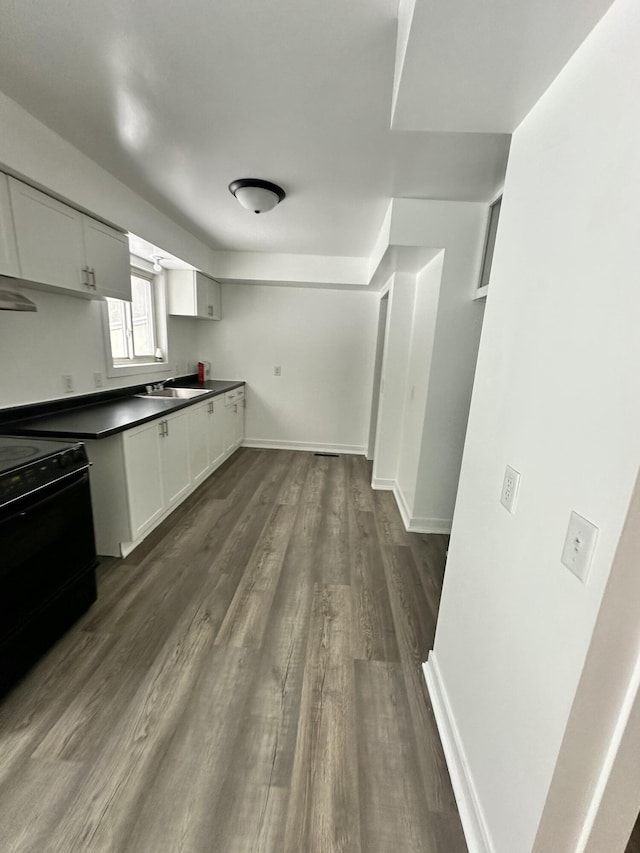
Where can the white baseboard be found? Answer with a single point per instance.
(402, 506)
(382, 485)
(416, 524)
(473, 821)
(429, 525)
(268, 444)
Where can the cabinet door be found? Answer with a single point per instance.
(216, 431)
(144, 479)
(216, 301)
(49, 239)
(229, 424)
(175, 457)
(8, 249)
(199, 419)
(239, 423)
(202, 295)
(107, 256)
(207, 298)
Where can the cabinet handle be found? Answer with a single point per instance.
(85, 276)
(92, 274)
(166, 427)
(211, 310)
(161, 429)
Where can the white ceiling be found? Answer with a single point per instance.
(178, 99)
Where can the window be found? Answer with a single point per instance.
(490, 242)
(134, 330)
(132, 324)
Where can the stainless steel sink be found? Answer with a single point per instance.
(184, 393)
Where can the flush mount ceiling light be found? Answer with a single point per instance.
(256, 195)
(156, 262)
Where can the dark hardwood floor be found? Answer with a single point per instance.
(248, 680)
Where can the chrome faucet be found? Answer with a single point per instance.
(159, 386)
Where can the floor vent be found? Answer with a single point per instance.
(334, 455)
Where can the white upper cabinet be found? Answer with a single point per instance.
(8, 249)
(107, 256)
(193, 294)
(63, 249)
(49, 237)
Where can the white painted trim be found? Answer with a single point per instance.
(626, 709)
(429, 525)
(416, 524)
(381, 484)
(481, 292)
(268, 444)
(473, 822)
(402, 506)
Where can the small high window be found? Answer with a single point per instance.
(490, 241)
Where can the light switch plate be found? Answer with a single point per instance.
(579, 546)
(510, 486)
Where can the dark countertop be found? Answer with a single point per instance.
(99, 420)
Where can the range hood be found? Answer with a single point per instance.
(10, 300)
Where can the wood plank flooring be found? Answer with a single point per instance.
(248, 681)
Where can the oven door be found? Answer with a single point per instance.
(46, 542)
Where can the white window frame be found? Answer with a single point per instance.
(482, 290)
(139, 366)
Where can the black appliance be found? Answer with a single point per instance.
(47, 548)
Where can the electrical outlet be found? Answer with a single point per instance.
(510, 486)
(67, 382)
(277, 370)
(97, 379)
(579, 546)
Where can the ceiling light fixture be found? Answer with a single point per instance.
(156, 262)
(256, 195)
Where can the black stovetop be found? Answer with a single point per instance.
(16, 452)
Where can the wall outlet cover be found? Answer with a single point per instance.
(510, 487)
(579, 546)
(67, 382)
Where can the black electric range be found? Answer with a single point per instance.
(47, 547)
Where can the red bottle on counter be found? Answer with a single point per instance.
(201, 376)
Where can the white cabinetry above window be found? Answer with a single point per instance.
(193, 294)
(60, 248)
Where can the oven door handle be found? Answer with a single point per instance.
(80, 475)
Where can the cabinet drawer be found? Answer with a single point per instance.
(234, 396)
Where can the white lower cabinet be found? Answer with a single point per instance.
(143, 466)
(199, 441)
(233, 419)
(206, 438)
(215, 433)
(156, 460)
(140, 475)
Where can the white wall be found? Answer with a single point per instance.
(324, 340)
(458, 228)
(425, 308)
(395, 362)
(65, 336)
(556, 396)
